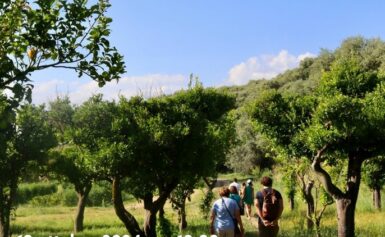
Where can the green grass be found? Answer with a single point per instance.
(52, 221)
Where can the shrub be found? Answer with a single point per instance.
(100, 195)
(28, 191)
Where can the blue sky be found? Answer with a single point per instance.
(223, 42)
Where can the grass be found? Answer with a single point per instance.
(100, 221)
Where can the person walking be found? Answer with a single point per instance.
(248, 197)
(225, 217)
(269, 208)
(235, 196)
(235, 184)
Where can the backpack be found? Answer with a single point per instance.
(270, 206)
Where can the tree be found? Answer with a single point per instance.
(251, 151)
(26, 137)
(169, 140)
(54, 34)
(37, 36)
(346, 122)
(280, 117)
(178, 199)
(374, 177)
(80, 129)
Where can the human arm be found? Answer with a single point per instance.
(258, 210)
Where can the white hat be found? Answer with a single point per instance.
(249, 181)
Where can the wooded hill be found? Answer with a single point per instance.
(305, 78)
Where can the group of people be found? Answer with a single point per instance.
(225, 218)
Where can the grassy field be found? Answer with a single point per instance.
(58, 221)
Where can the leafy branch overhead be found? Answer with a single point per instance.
(55, 34)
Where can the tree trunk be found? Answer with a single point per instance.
(150, 223)
(377, 198)
(6, 201)
(291, 201)
(4, 226)
(345, 214)
(128, 220)
(183, 220)
(152, 207)
(346, 207)
(346, 202)
(82, 199)
(161, 213)
(310, 205)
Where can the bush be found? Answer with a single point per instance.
(165, 228)
(100, 195)
(69, 197)
(205, 203)
(63, 197)
(28, 191)
(46, 200)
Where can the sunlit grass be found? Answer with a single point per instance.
(58, 221)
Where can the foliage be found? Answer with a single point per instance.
(168, 140)
(26, 137)
(251, 151)
(343, 121)
(374, 173)
(171, 138)
(165, 228)
(55, 34)
(205, 203)
(60, 115)
(26, 192)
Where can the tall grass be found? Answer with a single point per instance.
(58, 221)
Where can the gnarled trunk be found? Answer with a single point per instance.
(128, 220)
(346, 202)
(82, 199)
(377, 198)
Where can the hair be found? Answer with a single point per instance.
(224, 192)
(233, 189)
(235, 180)
(267, 181)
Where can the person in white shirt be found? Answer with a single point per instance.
(236, 184)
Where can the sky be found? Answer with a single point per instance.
(223, 42)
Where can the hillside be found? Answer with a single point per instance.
(305, 78)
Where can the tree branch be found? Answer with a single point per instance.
(324, 176)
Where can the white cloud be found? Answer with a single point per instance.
(80, 90)
(264, 67)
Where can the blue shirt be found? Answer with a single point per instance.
(223, 220)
